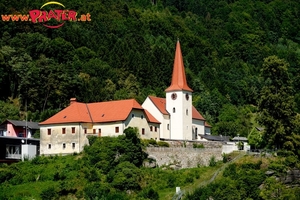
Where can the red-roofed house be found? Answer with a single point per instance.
(66, 131)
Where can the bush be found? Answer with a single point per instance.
(212, 161)
(225, 157)
(171, 181)
(149, 193)
(277, 167)
(189, 179)
(152, 142)
(95, 190)
(200, 146)
(284, 153)
(125, 176)
(291, 161)
(50, 193)
(5, 175)
(92, 139)
(163, 144)
(147, 142)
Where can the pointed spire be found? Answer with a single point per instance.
(178, 77)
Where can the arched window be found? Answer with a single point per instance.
(174, 110)
(187, 112)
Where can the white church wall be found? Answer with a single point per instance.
(163, 119)
(180, 110)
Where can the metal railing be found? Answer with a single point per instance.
(13, 156)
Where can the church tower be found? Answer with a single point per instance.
(179, 101)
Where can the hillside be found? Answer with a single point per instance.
(111, 168)
(126, 51)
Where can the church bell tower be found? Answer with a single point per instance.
(179, 101)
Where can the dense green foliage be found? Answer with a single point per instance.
(248, 179)
(110, 168)
(127, 51)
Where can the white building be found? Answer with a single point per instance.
(173, 117)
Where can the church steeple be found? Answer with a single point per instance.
(179, 101)
(178, 77)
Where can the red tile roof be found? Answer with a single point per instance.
(178, 77)
(196, 114)
(160, 103)
(112, 110)
(207, 125)
(97, 112)
(76, 112)
(150, 117)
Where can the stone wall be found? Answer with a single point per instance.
(189, 143)
(183, 157)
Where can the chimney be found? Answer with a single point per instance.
(72, 100)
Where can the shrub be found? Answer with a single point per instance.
(277, 167)
(152, 142)
(163, 144)
(5, 175)
(149, 193)
(125, 176)
(147, 142)
(212, 161)
(95, 190)
(189, 179)
(171, 181)
(200, 146)
(225, 157)
(49, 193)
(291, 161)
(92, 139)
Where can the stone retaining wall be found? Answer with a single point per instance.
(189, 143)
(180, 157)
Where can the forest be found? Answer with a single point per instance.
(127, 51)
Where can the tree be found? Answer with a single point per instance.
(107, 152)
(276, 104)
(255, 138)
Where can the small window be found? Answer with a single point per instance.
(49, 146)
(151, 128)
(132, 115)
(155, 129)
(143, 131)
(73, 129)
(49, 131)
(142, 116)
(63, 130)
(94, 131)
(85, 130)
(117, 129)
(73, 145)
(174, 110)
(187, 112)
(64, 145)
(168, 126)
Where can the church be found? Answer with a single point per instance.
(170, 118)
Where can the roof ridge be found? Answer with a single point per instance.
(87, 107)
